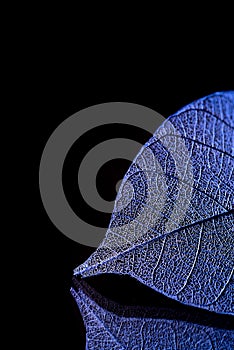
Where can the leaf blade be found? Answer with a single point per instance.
(191, 156)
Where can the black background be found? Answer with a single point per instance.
(62, 85)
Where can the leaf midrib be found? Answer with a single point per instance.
(155, 238)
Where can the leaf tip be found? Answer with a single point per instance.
(79, 270)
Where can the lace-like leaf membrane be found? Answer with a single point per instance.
(173, 222)
(112, 326)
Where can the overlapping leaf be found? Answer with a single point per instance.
(112, 326)
(172, 225)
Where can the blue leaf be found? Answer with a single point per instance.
(173, 220)
(112, 326)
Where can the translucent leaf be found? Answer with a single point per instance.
(173, 222)
(112, 326)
